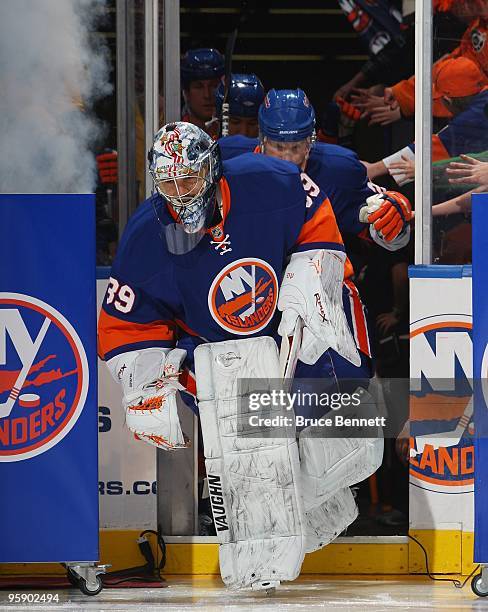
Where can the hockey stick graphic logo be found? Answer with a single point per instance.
(6, 407)
(44, 377)
(441, 404)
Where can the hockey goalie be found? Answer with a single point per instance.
(220, 262)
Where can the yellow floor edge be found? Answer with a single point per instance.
(449, 552)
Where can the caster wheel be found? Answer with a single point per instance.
(476, 586)
(73, 578)
(92, 588)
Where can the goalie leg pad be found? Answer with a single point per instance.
(325, 522)
(330, 464)
(253, 481)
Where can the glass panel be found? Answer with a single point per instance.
(139, 98)
(120, 153)
(460, 124)
(334, 48)
(107, 213)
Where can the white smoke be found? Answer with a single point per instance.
(51, 71)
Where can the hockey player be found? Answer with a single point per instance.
(287, 129)
(207, 254)
(246, 93)
(201, 70)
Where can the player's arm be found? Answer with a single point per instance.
(136, 338)
(387, 213)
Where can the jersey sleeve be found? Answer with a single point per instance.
(320, 229)
(348, 191)
(137, 311)
(467, 132)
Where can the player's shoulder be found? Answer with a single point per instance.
(143, 220)
(259, 167)
(259, 177)
(141, 244)
(336, 162)
(232, 146)
(333, 154)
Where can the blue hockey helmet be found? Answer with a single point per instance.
(246, 93)
(201, 64)
(286, 115)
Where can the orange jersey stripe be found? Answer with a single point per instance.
(187, 329)
(439, 151)
(114, 333)
(358, 319)
(225, 193)
(187, 379)
(348, 269)
(322, 227)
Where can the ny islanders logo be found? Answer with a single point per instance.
(243, 296)
(441, 404)
(43, 377)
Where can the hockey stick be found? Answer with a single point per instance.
(6, 407)
(229, 52)
(289, 352)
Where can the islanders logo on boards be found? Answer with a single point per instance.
(43, 377)
(441, 406)
(242, 298)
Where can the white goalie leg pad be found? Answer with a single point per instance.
(325, 522)
(330, 464)
(253, 481)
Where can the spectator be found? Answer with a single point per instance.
(463, 89)
(473, 45)
(380, 26)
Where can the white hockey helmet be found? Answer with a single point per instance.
(185, 165)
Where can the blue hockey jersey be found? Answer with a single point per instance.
(227, 286)
(336, 171)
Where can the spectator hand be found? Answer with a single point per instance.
(344, 91)
(107, 167)
(386, 321)
(390, 99)
(384, 115)
(405, 167)
(365, 101)
(472, 171)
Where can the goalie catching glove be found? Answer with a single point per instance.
(149, 379)
(312, 291)
(389, 213)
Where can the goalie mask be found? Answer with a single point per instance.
(185, 165)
